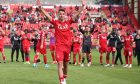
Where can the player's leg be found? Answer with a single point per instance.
(70, 55)
(120, 56)
(130, 61)
(60, 59)
(35, 59)
(113, 58)
(45, 60)
(12, 53)
(130, 58)
(89, 55)
(53, 57)
(83, 59)
(65, 70)
(74, 55)
(113, 49)
(27, 57)
(79, 54)
(107, 59)
(108, 56)
(101, 51)
(138, 57)
(60, 71)
(3, 56)
(117, 56)
(65, 65)
(101, 58)
(17, 54)
(84, 49)
(88, 59)
(34, 49)
(22, 53)
(126, 60)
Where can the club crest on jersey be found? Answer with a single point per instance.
(65, 26)
(103, 37)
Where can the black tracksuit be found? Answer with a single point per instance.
(15, 41)
(34, 40)
(119, 48)
(137, 41)
(21, 49)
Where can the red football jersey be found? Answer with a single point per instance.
(42, 35)
(1, 41)
(103, 39)
(62, 32)
(26, 40)
(76, 41)
(128, 40)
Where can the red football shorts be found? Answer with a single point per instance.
(52, 47)
(76, 50)
(128, 51)
(111, 49)
(26, 49)
(1, 49)
(62, 53)
(103, 49)
(42, 51)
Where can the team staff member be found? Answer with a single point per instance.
(137, 42)
(112, 39)
(35, 39)
(15, 42)
(119, 48)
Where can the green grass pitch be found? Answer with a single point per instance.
(19, 73)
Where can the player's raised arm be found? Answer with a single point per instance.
(78, 12)
(92, 28)
(46, 14)
(80, 27)
(3, 33)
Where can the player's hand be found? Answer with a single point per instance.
(83, 3)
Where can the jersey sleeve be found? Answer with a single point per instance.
(53, 21)
(70, 21)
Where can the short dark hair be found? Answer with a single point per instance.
(61, 9)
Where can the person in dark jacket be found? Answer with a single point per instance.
(35, 39)
(137, 43)
(15, 43)
(112, 39)
(119, 48)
